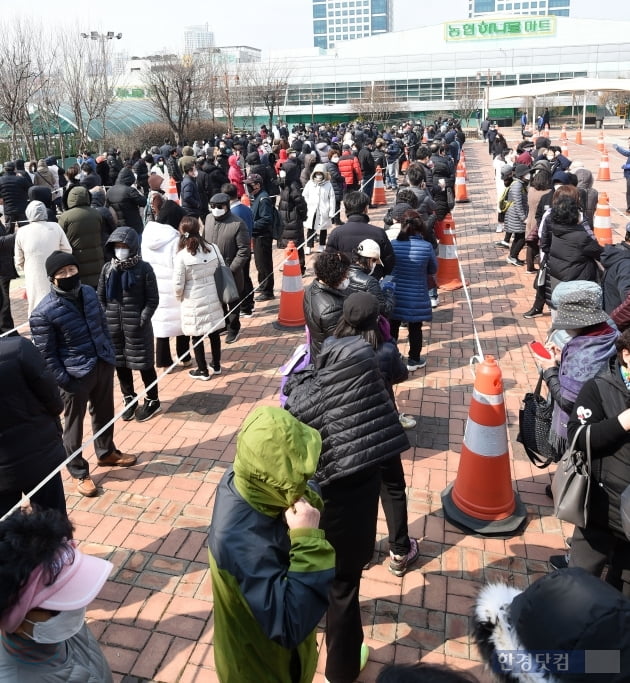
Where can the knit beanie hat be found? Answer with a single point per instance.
(360, 310)
(58, 260)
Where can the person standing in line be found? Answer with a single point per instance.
(69, 329)
(319, 195)
(262, 210)
(202, 312)
(516, 213)
(626, 172)
(128, 293)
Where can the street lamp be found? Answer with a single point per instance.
(102, 37)
(488, 78)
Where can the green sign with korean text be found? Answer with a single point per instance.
(512, 27)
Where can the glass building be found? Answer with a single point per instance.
(336, 21)
(482, 8)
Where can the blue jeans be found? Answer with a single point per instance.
(391, 176)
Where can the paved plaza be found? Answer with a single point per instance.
(154, 616)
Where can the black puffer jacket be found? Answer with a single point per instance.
(336, 180)
(114, 167)
(360, 281)
(616, 283)
(129, 320)
(599, 402)
(7, 247)
(30, 431)
(14, 193)
(323, 307)
(293, 211)
(127, 201)
(37, 193)
(216, 178)
(346, 400)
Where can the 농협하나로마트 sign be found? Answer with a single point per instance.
(512, 27)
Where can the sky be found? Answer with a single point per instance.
(158, 26)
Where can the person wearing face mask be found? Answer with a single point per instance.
(128, 293)
(236, 175)
(337, 180)
(68, 327)
(190, 197)
(516, 213)
(225, 230)
(47, 584)
(365, 259)
(321, 205)
(126, 201)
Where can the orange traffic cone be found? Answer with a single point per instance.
(425, 137)
(563, 133)
(564, 148)
(246, 200)
(578, 137)
(604, 168)
(462, 163)
(482, 498)
(171, 193)
(447, 276)
(602, 227)
(291, 313)
(378, 193)
(601, 147)
(461, 193)
(404, 166)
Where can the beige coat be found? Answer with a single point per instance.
(193, 279)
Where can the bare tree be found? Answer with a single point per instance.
(273, 78)
(21, 78)
(376, 103)
(468, 96)
(227, 81)
(173, 86)
(251, 92)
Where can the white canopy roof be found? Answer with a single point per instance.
(567, 85)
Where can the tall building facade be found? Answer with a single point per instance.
(480, 8)
(197, 38)
(337, 20)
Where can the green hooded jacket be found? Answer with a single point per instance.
(270, 585)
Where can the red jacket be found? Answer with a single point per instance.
(350, 168)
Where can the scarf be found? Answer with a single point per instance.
(121, 277)
(625, 375)
(582, 358)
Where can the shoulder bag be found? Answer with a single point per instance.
(224, 281)
(534, 424)
(571, 485)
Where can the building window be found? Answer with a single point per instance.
(379, 6)
(321, 42)
(319, 11)
(379, 23)
(319, 27)
(557, 4)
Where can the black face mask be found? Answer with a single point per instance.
(67, 284)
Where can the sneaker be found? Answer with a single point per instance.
(307, 251)
(416, 364)
(434, 301)
(117, 459)
(398, 564)
(532, 313)
(500, 227)
(216, 371)
(559, 561)
(503, 243)
(232, 337)
(199, 374)
(186, 363)
(548, 491)
(150, 408)
(247, 314)
(533, 271)
(264, 296)
(515, 261)
(86, 487)
(406, 421)
(131, 410)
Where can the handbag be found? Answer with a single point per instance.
(534, 424)
(224, 281)
(571, 485)
(450, 198)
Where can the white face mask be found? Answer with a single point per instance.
(217, 213)
(318, 178)
(58, 628)
(372, 269)
(121, 253)
(335, 160)
(344, 284)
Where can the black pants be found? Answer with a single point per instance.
(248, 303)
(415, 336)
(532, 249)
(163, 357)
(97, 390)
(368, 189)
(6, 319)
(394, 500)
(200, 352)
(51, 496)
(592, 548)
(263, 258)
(125, 378)
(517, 244)
(349, 521)
(628, 194)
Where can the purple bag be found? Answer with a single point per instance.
(300, 359)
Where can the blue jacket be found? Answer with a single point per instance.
(71, 334)
(626, 166)
(415, 260)
(263, 215)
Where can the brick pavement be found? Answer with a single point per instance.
(154, 616)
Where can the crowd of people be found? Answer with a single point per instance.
(118, 275)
